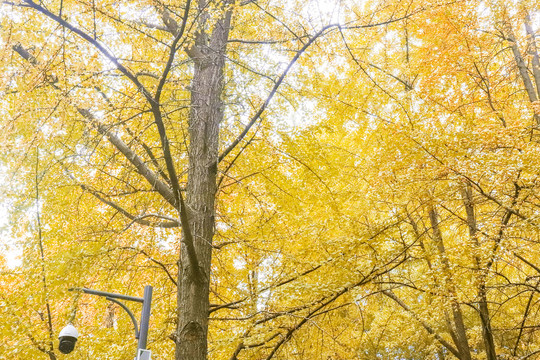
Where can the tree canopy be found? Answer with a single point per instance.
(296, 179)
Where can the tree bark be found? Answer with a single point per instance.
(207, 108)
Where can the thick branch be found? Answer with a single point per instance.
(25, 54)
(171, 169)
(461, 340)
(151, 155)
(524, 319)
(424, 324)
(504, 223)
(139, 164)
(487, 333)
(171, 223)
(174, 198)
(527, 262)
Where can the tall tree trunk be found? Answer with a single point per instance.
(460, 340)
(208, 54)
(487, 334)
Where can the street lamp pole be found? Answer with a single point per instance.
(145, 318)
(141, 333)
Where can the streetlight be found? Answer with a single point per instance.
(140, 333)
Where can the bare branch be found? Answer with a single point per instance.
(234, 303)
(256, 117)
(96, 44)
(527, 262)
(139, 164)
(174, 47)
(311, 40)
(426, 326)
(162, 265)
(171, 223)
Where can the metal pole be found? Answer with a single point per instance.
(108, 294)
(145, 317)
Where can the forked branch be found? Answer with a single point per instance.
(326, 29)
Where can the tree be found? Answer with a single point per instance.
(382, 206)
(85, 74)
(451, 153)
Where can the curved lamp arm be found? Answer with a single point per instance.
(129, 313)
(140, 333)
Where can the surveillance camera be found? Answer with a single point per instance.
(68, 337)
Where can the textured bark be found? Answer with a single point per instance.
(208, 54)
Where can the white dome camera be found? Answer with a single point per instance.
(68, 337)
